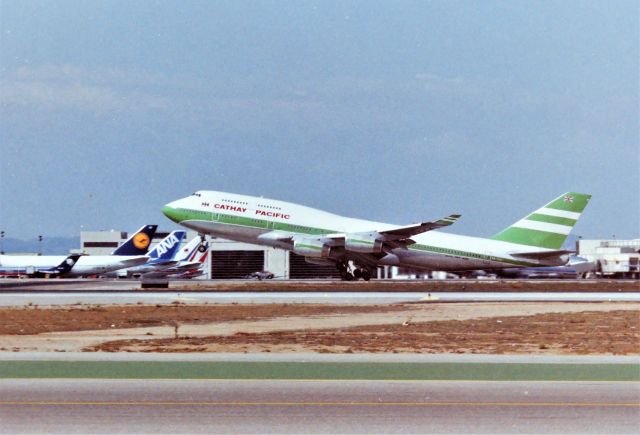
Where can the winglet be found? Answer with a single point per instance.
(449, 220)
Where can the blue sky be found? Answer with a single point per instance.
(392, 111)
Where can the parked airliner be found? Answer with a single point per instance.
(189, 262)
(85, 265)
(358, 246)
(161, 257)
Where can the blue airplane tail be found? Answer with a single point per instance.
(138, 243)
(168, 247)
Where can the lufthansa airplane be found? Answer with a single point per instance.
(131, 253)
(356, 247)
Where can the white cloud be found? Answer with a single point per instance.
(67, 87)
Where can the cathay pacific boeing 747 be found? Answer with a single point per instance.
(356, 247)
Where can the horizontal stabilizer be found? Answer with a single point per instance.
(164, 263)
(186, 267)
(542, 255)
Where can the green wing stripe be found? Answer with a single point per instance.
(552, 219)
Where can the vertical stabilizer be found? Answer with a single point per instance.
(167, 248)
(549, 226)
(138, 243)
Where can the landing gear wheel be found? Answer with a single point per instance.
(346, 276)
(366, 275)
(357, 274)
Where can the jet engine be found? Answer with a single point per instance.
(311, 248)
(366, 243)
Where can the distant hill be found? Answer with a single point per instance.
(50, 245)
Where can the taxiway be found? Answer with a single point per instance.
(275, 406)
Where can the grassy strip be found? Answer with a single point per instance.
(301, 370)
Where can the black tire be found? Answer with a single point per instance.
(348, 276)
(366, 275)
(357, 274)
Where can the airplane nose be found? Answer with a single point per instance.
(172, 212)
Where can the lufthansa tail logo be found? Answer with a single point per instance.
(141, 241)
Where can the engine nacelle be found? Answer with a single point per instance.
(311, 248)
(366, 243)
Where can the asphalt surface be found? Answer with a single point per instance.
(267, 406)
(331, 285)
(105, 297)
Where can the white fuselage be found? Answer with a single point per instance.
(260, 221)
(86, 264)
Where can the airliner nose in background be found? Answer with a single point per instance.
(356, 247)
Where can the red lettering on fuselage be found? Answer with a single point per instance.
(229, 207)
(273, 214)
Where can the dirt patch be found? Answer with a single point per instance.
(592, 332)
(486, 327)
(33, 320)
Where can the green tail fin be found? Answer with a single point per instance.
(549, 226)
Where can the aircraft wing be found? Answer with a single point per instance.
(184, 267)
(411, 230)
(164, 263)
(133, 261)
(371, 242)
(188, 267)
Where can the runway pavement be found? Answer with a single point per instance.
(105, 297)
(268, 406)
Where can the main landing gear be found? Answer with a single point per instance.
(349, 272)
